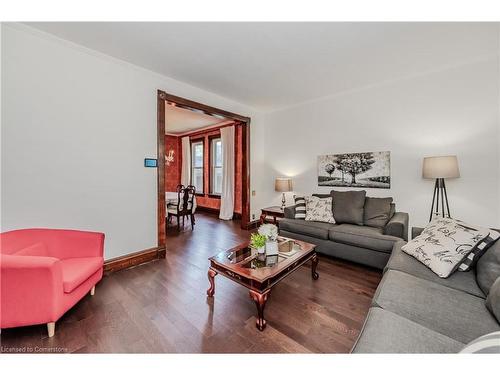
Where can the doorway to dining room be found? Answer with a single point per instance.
(207, 149)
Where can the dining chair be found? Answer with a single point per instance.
(184, 207)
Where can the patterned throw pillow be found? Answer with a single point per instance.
(489, 343)
(300, 208)
(319, 209)
(479, 250)
(444, 243)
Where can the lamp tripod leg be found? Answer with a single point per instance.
(433, 199)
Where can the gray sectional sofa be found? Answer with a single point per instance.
(360, 243)
(415, 311)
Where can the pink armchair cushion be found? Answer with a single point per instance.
(76, 270)
(37, 249)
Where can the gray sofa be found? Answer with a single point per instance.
(415, 311)
(363, 244)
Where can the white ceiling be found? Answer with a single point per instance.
(274, 65)
(180, 120)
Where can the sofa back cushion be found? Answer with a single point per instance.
(37, 249)
(493, 299)
(348, 206)
(488, 268)
(392, 211)
(377, 211)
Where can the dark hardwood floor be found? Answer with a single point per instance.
(162, 306)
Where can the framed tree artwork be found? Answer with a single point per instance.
(360, 169)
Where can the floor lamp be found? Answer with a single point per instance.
(439, 168)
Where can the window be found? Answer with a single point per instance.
(197, 166)
(216, 166)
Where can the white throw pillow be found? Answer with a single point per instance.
(444, 243)
(319, 209)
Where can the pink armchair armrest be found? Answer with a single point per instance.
(60, 243)
(31, 290)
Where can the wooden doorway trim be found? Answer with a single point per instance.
(162, 99)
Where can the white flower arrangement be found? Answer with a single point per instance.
(270, 231)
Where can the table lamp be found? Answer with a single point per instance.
(439, 168)
(283, 185)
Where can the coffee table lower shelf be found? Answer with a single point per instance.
(259, 291)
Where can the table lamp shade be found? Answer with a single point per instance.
(283, 184)
(440, 167)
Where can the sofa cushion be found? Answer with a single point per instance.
(377, 211)
(307, 228)
(387, 332)
(458, 315)
(362, 236)
(488, 268)
(319, 209)
(444, 243)
(464, 281)
(348, 206)
(76, 270)
(37, 249)
(493, 300)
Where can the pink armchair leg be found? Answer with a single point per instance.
(51, 328)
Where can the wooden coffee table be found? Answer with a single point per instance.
(259, 273)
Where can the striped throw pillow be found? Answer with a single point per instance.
(300, 208)
(478, 251)
(489, 343)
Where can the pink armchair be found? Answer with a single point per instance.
(45, 272)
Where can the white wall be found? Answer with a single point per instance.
(76, 126)
(452, 111)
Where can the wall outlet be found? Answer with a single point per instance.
(253, 193)
(253, 216)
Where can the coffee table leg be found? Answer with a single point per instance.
(211, 276)
(260, 302)
(315, 261)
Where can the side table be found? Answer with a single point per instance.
(274, 211)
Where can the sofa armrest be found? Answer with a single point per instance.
(31, 290)
(290, 212)
(416, 231)
(398, 226)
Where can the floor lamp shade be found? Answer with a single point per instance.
(283, 185)
(439, 168)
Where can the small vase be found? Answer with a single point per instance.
(261, 250)
(272, 248)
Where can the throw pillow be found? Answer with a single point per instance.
(377, 211)
(489, 343)
(488, 268)
(348, 206)
(444, 243)
(479, 250)
(319, 209)
(493, 299)
(300, 208)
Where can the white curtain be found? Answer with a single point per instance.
(227, 196)
(186, 162)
